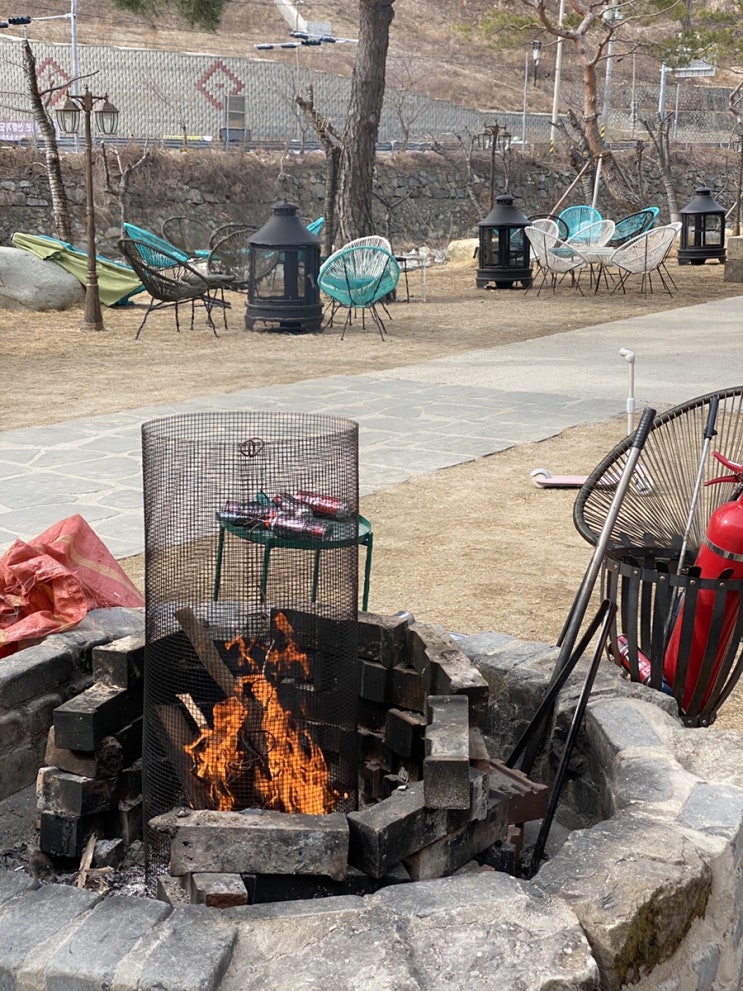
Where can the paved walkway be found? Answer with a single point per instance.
(413, 420)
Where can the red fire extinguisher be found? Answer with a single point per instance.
(721, 552)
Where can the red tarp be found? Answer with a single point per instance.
(49, 585)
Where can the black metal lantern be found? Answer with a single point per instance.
(282, 281)
(702, 230)
(503, 251)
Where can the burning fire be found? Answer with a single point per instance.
(253, 747)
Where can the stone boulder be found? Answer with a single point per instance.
(30, 283)
(463, 252)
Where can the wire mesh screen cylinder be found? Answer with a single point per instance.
(251, 582)
(677, 633)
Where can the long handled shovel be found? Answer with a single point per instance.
(579, 608)
(709, 433)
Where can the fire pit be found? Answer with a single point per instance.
(644, 892)
(250, 699)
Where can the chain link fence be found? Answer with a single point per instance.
(172, 97)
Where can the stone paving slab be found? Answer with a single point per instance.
(92, 465)
(414, 420)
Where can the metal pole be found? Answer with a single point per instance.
(633, 100)
(526, 92)
(556, 90)
(73, 36)
(93, 317)
(662, 94)
(629, 357)
(611, 16)
(596, 180)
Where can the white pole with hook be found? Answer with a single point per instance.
(596, 181)
(629, 357)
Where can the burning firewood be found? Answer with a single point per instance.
(205, 649)
(193, 710)
(250, 753)
(176, 736)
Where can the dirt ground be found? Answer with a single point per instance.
(508, 559)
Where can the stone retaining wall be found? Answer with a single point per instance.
(421, 198)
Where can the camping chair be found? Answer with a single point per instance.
(653, 544)
(188, 234)
(117, 283)
(632, 226)
(368, 241)
(555, 258)
(358, 277)
(644, 255)
(578, 216)
(169, 280)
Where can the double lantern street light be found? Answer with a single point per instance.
(106, 118)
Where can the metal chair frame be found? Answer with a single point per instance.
(578, 216)
(188, 234)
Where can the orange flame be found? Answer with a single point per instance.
(254, 747)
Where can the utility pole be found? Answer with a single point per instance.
(612, 17)
(556, 91)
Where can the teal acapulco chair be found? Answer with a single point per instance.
(632, 226)
(579, 216)
(358, 277)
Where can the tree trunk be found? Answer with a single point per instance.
(356, 178)
(60, 207)
(664, 163)
(619, 191)
(331, 143)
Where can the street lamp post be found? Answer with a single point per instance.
(505, 139)
(68, 118)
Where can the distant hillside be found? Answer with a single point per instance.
(430, 47)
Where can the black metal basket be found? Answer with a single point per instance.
(676, 633)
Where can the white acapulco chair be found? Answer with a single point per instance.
(555, 258)
(643, 256)
(594, 235)
(546, 224)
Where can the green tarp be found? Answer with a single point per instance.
(116, 282)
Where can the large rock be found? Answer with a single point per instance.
(30, 283)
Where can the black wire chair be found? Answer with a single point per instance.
(188, 234)
(649, 568)
(229, 228)
(230, 256)
(169, 281)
